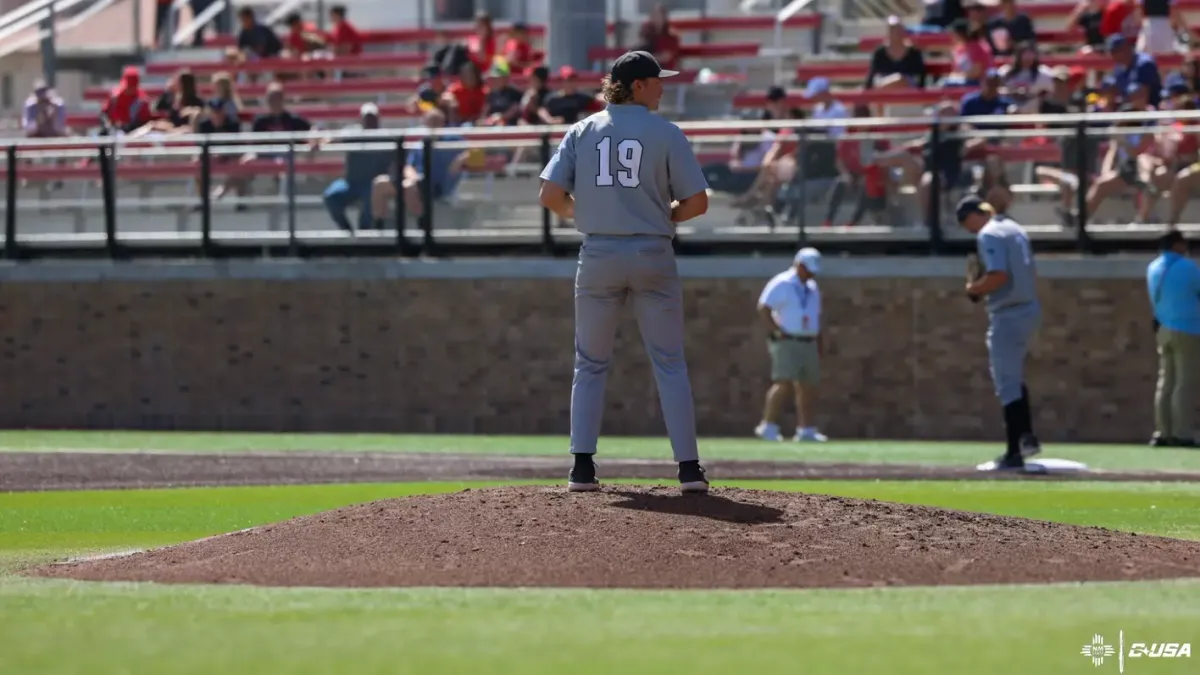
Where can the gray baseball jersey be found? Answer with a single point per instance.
(1004, 247)
(1014, 310)
(624, 166)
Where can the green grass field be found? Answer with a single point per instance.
(1109, 457)
(69, 627)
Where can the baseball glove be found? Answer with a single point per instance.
(974, 273)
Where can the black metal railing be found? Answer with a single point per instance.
(107, 154)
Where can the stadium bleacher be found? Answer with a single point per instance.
(730, 61)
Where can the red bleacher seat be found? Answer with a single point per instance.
(402, 35)
(942, 40)
(384, 86)
(857, 68)
(680, 25)
(710, 51)
(871, 97)
(360, 63)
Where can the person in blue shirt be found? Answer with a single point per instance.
(1134, 67)
(362, 168)
(1173, 282)
(986, 101)
(447, 169)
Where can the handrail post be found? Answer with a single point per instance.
(427, 194)
(289, 190)
(10, 203)
(933, 215)
(547, 232)
(802, 185)
(1081, 173)
(401, 210)
(206, 245)
(105, 158)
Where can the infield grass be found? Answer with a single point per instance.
(70, 627)
(952, 453)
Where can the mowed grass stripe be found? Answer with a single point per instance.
(1109, 457)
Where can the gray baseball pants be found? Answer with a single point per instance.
(1009, 333)
(613, 269)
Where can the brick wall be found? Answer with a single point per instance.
(906, 357)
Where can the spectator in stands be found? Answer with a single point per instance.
(970, 57)
(897, 63)
(859, 175)
(344, 39)
(940, 15)
(217, 120)
(1010, 29)
(1087, 17)
(45, 114)
(943, 159)
(569, 105)
(226, 90)
(276, 119)
(303, 39)
(778, 167)
(430, 91)
(1026, 79)
(1132, 66)
(447, 171)
(467, 96)
(538, 89)
(657, 38)
(127, 107)
(482, 45)
(740, 172)
(256, 41)
(1162, 25)
(357, 184)
(985, 102)
(1119, 18)
(1123, 168)
(180, 93)
(518, 51)
(448, 55)
(176, 109)
(825, 106)
(503, 99)
(1175, 151)
(1186, 181)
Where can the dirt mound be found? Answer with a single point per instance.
(649, 538)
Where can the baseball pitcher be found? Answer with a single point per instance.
(627, 176)
(1004, 274)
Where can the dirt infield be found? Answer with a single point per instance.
(636, 537)
(20, 471)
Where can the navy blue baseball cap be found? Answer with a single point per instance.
(633, 66)
(1176, 85)
(971, 204)
(1115, 41)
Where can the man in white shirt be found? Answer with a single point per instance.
(790, 306)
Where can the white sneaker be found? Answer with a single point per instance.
(810, 435)
(768, 432)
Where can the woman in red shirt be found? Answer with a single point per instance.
(467, 96)
(482, 45)
(518, 51)
(657, 38)
(344, 38)
(970, 57)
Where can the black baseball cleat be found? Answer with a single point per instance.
(583, 475)
(1004, 462)
(1160, 441)
(691, 478)
(1030, 446)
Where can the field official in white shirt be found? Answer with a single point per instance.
(790, 306)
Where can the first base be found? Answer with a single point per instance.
(1042, 466)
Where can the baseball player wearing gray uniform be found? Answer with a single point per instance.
(627, 177)
(1009, 283)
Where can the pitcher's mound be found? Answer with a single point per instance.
(629, 536)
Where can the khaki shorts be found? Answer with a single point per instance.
(794, 361)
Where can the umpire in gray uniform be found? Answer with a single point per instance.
(627, 176)
(1009, 284)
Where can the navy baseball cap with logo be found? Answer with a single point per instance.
(971, 204)
(633, 66)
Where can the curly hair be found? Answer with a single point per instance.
(615, 92)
